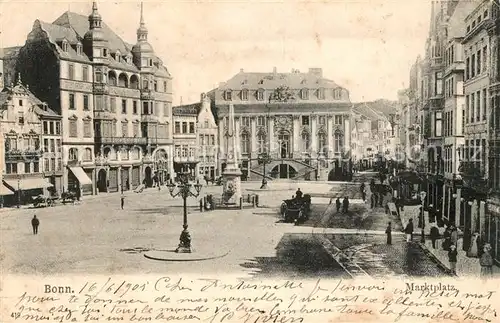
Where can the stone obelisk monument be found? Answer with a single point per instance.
(232, 174)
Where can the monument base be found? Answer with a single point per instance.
(183, 249)
(232, 186)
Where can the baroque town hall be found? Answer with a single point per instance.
(114, 98)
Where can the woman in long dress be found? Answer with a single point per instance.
(486, 262)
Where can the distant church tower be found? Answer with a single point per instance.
(95, 44)
(142, 50)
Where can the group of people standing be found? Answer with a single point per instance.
(344, 204)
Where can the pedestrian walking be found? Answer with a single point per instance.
(338, 204)
(122, 201)
(454, 235)
(452, 258)
(35, 223)
(486, 262)
(434, 235)
(409, 231)
(447, 238)
(362, 191)
(388, 232)
(345, 204)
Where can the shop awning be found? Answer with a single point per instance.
(24, 184)
(81, 175)
(4, 190)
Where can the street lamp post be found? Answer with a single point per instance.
(264, 158)
(422, 220)
(18, 192)
(184, 190)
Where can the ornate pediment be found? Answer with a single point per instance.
(284, 122)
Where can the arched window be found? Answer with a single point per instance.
(304, 94)
(260, 94)
(123, 153)
(306, 141)
(123, 80)
(134, 82)
(245, 143)
(261, 141)
(73, 154)
(338, 141)
(87, 156)
(112, 78)
(206, 123)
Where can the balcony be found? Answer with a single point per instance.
(184, 159)
(160, 141)
(104, 115)
(436, 62)
(149, 118)
(121, 140)
(28, 154)
(100, 88)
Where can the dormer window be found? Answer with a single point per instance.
(79, 49)
(65, 45)
(304, 94)
(244, 94)
(118, 56)
(150, 62)
(303, 82)
(104, 52)
(261, 82)
(337, 94)
(228, 95)
(260, 94)
(321, 94)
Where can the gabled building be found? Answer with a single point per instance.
(22, 118)
(114, 99)
(208, 139)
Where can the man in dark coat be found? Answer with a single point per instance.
(338, 204)
(345, 204)
(434, 235)
(362, 191)
(298, 194)
(409, 231)
(388, 232)
(35, 223)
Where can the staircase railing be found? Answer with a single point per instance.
(260, 174)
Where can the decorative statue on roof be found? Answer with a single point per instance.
(282, 94)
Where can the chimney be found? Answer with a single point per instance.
(241, 70)
(316, 72)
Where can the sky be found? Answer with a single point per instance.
(367, 46)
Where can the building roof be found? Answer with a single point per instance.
(300, 106)
(79, 24)
(187, 109)
(40, 108)
(376, 110)
(294, 80)
(456, 24)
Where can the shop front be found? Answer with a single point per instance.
(80, 179)
(136, 177)
(492, 227)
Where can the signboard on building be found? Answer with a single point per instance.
(187, 110)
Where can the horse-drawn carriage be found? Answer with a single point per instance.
(44, 200)
(296, 210)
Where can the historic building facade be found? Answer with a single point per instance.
(114, 98)
(302, 121)
(491, 230)
(207, 133)
(474, 166)
(186, 150)
(22, 120)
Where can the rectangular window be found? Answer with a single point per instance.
(164, 86)
(177, 127)
(136, 129)
(438, 123)
(124, 106)
(124, 129)
(71, 71)
(439, 84)
(134, 107)
(261, 121)
(305, 120)
(245, 121)
(85, 73)
(21, 117)
(191, 127)
(73, 129)
(338, 120)
(485, 58)
(478, 62)
(473, 66)
(85, 102)
(58, 128)
(485, 103)
(212, 140)
(166, 110)
(112, 102)
(58, 145)
(27, 168)
(71, 101)
(52, 148)
(145, 108)
(45, 128)
(322, 120)
(155, 85)
(472, 104)
(87, 128)
(478, 106)
(184, 127)
(46, 165)
(45, 145)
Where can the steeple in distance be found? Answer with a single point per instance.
(95, 18)
(142, 31)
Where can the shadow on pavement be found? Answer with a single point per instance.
(297, 255)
